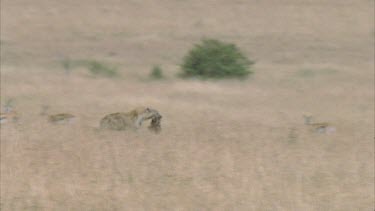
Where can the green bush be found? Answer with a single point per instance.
(98, 68)
(156, 72)
(215, 59)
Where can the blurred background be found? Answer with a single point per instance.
(226, 144)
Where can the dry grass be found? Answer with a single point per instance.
(225, 145)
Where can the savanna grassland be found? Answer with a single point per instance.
(225, 144)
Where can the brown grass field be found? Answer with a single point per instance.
(225, 145)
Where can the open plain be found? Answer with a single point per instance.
(224, 144)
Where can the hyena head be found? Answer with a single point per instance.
(149, 113)
(143, 114)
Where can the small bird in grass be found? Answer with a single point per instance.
(61, 118)
(9, 115)
(319, 127)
